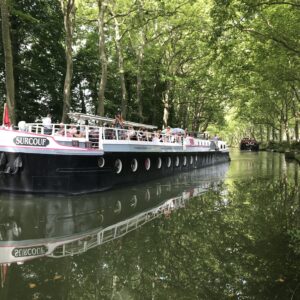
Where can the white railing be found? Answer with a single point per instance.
(117, 230)
(94, 134)
(139, 135)
(65, 130)
(67, 133)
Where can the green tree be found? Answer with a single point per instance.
(8, 54)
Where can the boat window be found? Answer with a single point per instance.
(101, 162)
(118, 166)
(147, 195)
(177, 161)
(169, 161)
(134, 165)
(133, 201)
(159, 163)
(147, 164)
(117, 207)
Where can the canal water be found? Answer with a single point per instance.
(230, 231)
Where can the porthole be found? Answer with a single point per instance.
(133, 201)
(147, 195)
(159, 163)
(158, 190)
(169, 162)
(118, 166)
(184, 160)
(191, 160)
(177, 161)
(100, 218)
(101, 162)
(117, 207)
(147, 164)
(134, 165)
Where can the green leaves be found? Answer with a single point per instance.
(206, 58)
(259, 43)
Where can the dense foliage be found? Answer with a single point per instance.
(218, 65)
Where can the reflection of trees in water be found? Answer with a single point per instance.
(224, 244)
(215, 249)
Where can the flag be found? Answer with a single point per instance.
(6, 119)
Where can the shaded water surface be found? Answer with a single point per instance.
(226, 232)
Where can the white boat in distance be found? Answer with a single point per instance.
(79, 158)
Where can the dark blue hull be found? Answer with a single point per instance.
(71, 174)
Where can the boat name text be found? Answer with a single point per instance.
(31, 141)
(29, 251)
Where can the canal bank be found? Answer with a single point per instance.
(290, 150)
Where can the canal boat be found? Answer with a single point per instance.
(92, 155)
(249, 144)
(56, 227)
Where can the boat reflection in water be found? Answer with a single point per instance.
(60, 226)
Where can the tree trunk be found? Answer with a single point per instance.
(197, 117)
(287, 132)
(124, 102)
(296, 112)
(68, 8)
(140, 56)
(297, 130)
(261, 133)
(140, 59)
(83, 107)
(280, 132)
(273, 134)
(155, 97)
(268, 133)
(165, 100)
(102, 5)
(185, 116)
(286, 122)
(9, 73)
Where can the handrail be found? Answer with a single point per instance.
(80, 116)
(118, 230)
(96, 135)
(140, 136)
